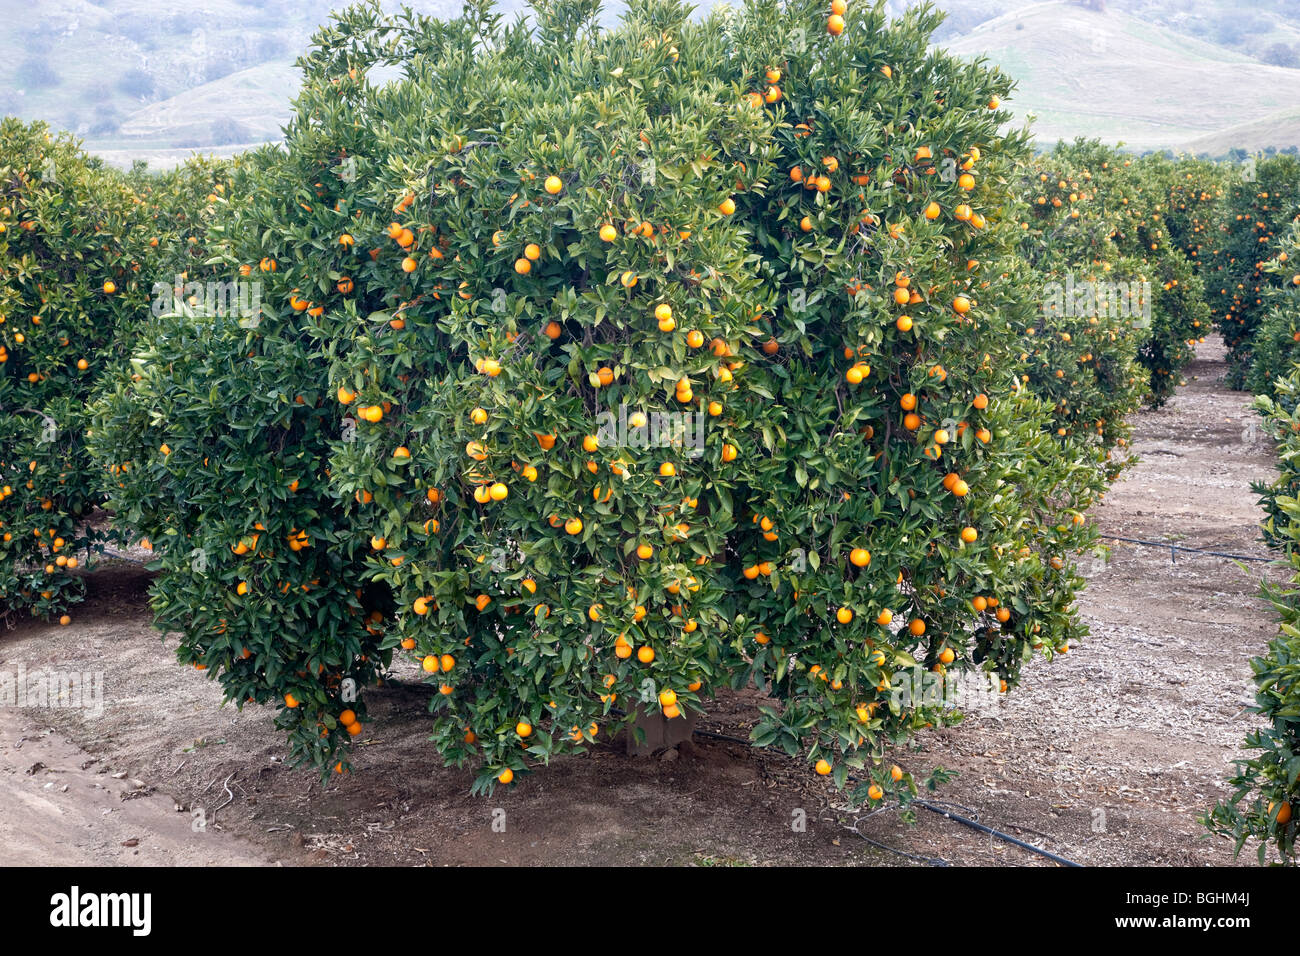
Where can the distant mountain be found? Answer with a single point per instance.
(216, 75)
(1111, 75)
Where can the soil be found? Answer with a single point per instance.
(1105, 756)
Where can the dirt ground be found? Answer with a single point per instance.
(1105, 756)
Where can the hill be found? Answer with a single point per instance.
(1111, 75)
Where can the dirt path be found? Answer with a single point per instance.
(1104, 757)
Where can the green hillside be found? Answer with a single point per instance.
(1114, 76)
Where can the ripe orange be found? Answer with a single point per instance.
(844, 615)
(822, 767)
(916, 626)
(969, 535)
(835, 24)
(645, 654)
(553, 184)
(506, 776)
(860, 557)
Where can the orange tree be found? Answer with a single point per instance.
(1275, 347)
(1258, 205)
(1137, 202)
(1081, 345)
(71, 247)
(1266, 798)
(214, 440)
(1191, 190)
(601, 369)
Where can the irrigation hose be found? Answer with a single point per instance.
(956, 817)
(976, 825)
(1178, 547)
